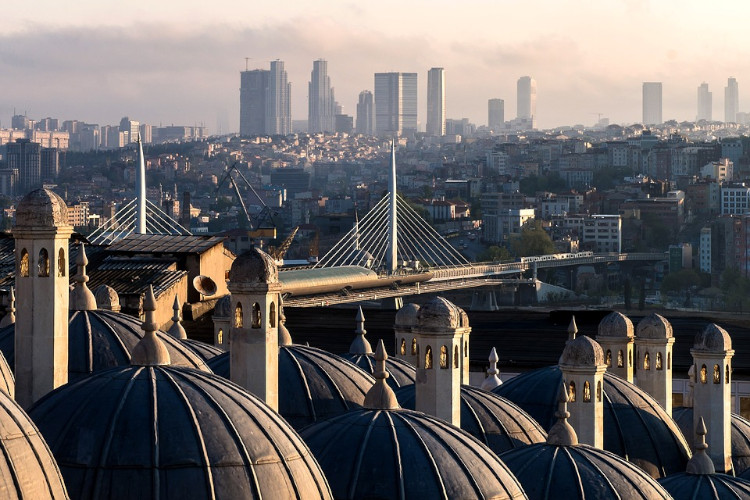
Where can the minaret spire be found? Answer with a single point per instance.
(492, 379)
(392, 220)
(177, 330)
(140, 191)
(150, 350)
(82, 298)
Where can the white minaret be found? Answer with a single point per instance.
(42, 289)
(140, 192)
(582, 366)
(406, 340)
(712, 397)
(392, 219)
(439, 332)
(615, 335)
(254, 344)
(653, 342)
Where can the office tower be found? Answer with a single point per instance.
(731, 101)
(21, 122)
(278, 101)
(495, 114)
(364, 113)
(25, 157)
(253, 90)
(131, 128)
(436, 102)
(395, 103)
(49, 164)
(652, 103)
(705, 103)
(322, 106)
(526, 105)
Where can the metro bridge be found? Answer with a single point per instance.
(393, 252)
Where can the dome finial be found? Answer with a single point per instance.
(701, 463)
(150, 351)
(562, 433)
(360, 345)
(381, 396)
(492, 379)
(285, 338)
(81, 298)
(10, 316)
(177, 330)
(572, 329)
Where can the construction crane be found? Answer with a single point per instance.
(256, 229)
(278, 252)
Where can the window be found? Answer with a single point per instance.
(704, 374)
(586, 392)
(599, 391)
(403, 347)
(572, 392)
(608, 359)
(717, 374)
(455, 357)
(272, 315)
(220, 337)
(726, 374)
(466, 348)
(61, 263)
(23, 264)
(443, 357)
(256, 315)
(43, 263)
(428, 358)
(620, 361)
(669, 361)
(238, 316)
(646, 362)
(658, 361)
(630, 358)
(414, 350)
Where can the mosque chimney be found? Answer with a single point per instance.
(653, 342)
(615, 335)
(712, 397)
(406, 341)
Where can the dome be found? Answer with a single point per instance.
(41, 208)
(400, 372)
(548, 471)
(99, 340)
(313, 384)
(7, 381)
(107, 298)
(740, 436)
(685, 486)
(201, 349)
(655, 327)
(254, 266)
(713, 338)
(27, 467)
(636, 427)
(616, 325)
(406, 454)
(168, 432)
(223, 307)
(440, 314)
(495, 421)
(407, 316)
(582, 351)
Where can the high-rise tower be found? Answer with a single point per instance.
(395, 103)
(652, 103)
(495, 114)
(365, 113)
(731, 100)
(436, 102)
(526, 104)
(253, 90)
(278, 101)
(322, 105)
(705, 103)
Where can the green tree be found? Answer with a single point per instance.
(681, 280)
(532, 240)
(735, 289)
(494, 254)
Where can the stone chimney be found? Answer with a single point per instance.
(653, 342)
(712, 398)
(615, 335)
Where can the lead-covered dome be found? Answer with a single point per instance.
(636, 427)
(223, 307)
(713, 338)
(406, 454)
(616, 325)
(168, 432)
(407, 316)
(201, 349)
(254, 266)
(495, 421)
(98, 340)
(685, 486)
(441, 314)
(582, 351)
(655, 327)
(313, 384)
(41, 208)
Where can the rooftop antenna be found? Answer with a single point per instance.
(247, 60)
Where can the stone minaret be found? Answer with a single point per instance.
(582, 366)
(440, 330)
(615, 335)
(406, 341)
(254, 345)
(653, 342)
(712, 398)
(41, 344)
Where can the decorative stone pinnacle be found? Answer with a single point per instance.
(381, 396)
(285, 337)
(177, 330)
(81, 299)
(562, 433)
(572, 328)
(360, 345)
(700, 463)
(150, 351)
(492, 379)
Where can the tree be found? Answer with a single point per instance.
(627, 294)
(681, 280)
(532, 240)
(494, 254)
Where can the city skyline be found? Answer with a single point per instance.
(97, 64)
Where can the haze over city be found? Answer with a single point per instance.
(179, 62)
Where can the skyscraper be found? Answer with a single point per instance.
(652, 103)
(322, 105)
(253, 90)
(495, 114)
(436, 102)
(526, 103)
(24, 157)
(731, 100)
(278, 101)
(705, 103)
(364, 113)
(395, 103)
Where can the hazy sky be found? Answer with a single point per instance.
(178, 62)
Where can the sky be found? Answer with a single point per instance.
(178, 62)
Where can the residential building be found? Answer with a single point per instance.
(25, 157)
(436, 102)
(498, 225)
(130, 128)
(253, 92)
(680, 257)
(603, 233)
(49, 164)
(496, 115)
(731, 100)
(734, 199)
(278, 101)
(652, 103)
(321, 103)
(365, 116)
(705, 103)
(721, 171)
(395, 103)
